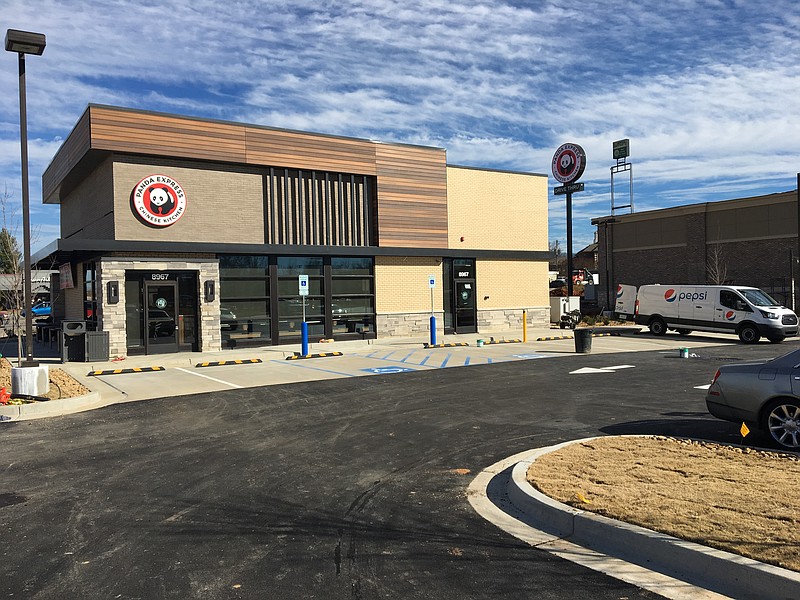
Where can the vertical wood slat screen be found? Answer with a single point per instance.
(318, 209)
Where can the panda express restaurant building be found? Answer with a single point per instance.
(184, 234)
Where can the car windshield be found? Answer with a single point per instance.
(759, 298)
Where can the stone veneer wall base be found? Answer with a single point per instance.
(509, 319)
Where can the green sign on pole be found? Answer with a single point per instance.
(621, 149)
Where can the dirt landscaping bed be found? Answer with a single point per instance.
(62, 385)
(741, 500)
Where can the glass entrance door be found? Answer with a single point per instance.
(466, 318)
(161, 317)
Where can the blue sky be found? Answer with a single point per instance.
(708, 92)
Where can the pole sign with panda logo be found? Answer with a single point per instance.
(158, 200)
(569, 162)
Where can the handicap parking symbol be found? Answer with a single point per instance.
(529, 356)
(388, 370)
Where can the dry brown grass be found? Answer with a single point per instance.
(741, 500)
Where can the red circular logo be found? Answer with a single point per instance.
(569, 161)
(159, 200)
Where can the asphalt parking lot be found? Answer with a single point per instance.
(352, 486)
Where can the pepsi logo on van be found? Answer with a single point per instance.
(620, 291)
(730, 315)
(671, 295)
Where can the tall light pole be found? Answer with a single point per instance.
(25, 42)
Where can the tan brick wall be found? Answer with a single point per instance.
(403, 298)
(221, 206)
(87, 211)
(512, 284)
(495, 210)
(401, 284)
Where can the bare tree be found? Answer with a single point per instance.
(558, 259)
(11, 296)
(716, 264)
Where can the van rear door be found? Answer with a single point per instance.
(625, 306)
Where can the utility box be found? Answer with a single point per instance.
(560, 305)
(73, 341)
(97, 343)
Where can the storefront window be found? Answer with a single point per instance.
(290, 303)
(351, 266)
(261, 301)
(299, 265)
(352, 296)
(245, 301)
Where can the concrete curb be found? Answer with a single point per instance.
(717, 570)
(52, 408)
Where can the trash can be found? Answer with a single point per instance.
(97, 346)
(73, 343)
(583, 340)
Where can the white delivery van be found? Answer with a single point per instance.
(746, 311)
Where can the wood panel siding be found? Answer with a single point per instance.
(412, 196)
(166, 135)
(407, 209)
(310, 152)
(69, 154)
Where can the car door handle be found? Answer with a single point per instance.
(719, 310)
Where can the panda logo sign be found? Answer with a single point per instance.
(569, 161)
(158, 200)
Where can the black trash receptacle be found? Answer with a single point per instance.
(583, 340)
(73, 343)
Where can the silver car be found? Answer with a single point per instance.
(764, 394)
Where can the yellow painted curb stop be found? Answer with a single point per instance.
(123, 371)
(298, 356)
(229, 362)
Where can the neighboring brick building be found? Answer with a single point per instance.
(185, 234)
(745, 241)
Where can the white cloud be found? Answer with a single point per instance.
(705, 91)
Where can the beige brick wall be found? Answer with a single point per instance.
(221, 206)
(511, 284)
(495, 210)
(403, 298)
(401, 284)
(87, 211)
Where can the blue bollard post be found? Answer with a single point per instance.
(433, 330)
(304, 333)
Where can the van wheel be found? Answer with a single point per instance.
(749, 334)
(776, 339)
(683, 331)
(658, 326)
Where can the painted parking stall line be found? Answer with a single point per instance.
(614, 369)
(204, 376)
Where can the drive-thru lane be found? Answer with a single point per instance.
(341, 488)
